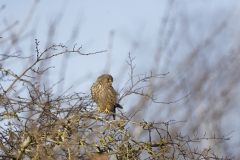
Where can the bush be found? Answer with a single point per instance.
(37, 123)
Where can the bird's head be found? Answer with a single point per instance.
(105, 78)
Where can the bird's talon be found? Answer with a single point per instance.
(106, 110)
(99, 110)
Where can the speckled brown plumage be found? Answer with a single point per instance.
(104, 94)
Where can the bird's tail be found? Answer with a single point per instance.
(118, 105)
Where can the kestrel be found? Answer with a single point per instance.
(104, 94)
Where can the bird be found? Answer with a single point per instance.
(104, 94)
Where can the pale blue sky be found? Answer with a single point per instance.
(131, 21)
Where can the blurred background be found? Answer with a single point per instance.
(197, 42)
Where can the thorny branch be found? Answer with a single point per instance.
(67, 126)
